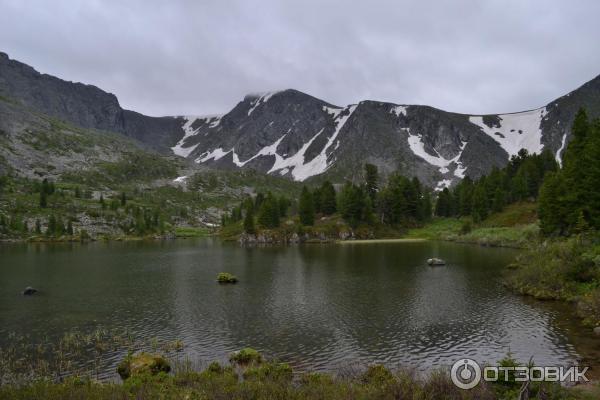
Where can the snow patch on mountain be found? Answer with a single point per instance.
(444, 183)
(261, 99)
(417, 146)
(560, 150)
(397, 110)
(334, 112)
(516, 131)
(179, 149)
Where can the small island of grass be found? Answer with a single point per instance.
(226, 277)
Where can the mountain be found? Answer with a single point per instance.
(84, 105)
(292, 134)
(296, 135)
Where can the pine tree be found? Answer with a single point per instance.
(38, 227)
(43, 199)
(306, 210)
(479, 211)
(268, 214)
(102, 203)
(443, 208)
(249, 221)
(328, 198)
(123, 199)
(51, 230)
(552, 205)
(371, 178)
(352, 204)
(70, 228)
(283, 203)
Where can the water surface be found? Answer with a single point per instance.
(318, 307)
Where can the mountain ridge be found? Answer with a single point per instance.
(299, 136)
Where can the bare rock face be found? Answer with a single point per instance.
(84, 105)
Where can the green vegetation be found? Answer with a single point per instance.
(246, 356)
(146, 376)
(515, 226)
(226, 277)
(569, 198)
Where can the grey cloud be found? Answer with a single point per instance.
(201, 57)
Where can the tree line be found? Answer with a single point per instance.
(520, 180)
(401, 201)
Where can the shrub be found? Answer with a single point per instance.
(246, 356)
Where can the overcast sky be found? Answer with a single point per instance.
(202, 57)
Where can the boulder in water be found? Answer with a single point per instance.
(29, 291)
(436, 261)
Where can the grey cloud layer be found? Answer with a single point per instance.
(201, 57)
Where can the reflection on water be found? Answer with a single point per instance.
(316, 306)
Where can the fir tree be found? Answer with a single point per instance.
(268, 214)
(328, 198)
(43, 199)
(306, 210)
(249, 221)
(479, 210)
(123, 199)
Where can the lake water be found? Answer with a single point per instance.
(318, 307)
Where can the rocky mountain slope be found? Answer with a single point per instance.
(295, 135)
(292, 134)
(84, 105)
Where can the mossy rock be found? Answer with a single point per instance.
(226, 277)
(142, 363)
(246, 356)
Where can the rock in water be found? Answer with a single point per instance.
(597, 331)
(29, 291)
(436, 261)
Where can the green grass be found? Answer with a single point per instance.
(516, 226)
(189, 232)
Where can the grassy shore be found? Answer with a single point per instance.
(516, 227)
(255, 378)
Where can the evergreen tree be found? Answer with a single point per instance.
(123, 199)
(306, 210)
(316, 194)
(371, 178)
(552, 207)
(328, 198)
(70, 228)
(352, 204)
(51, 230)
(38, 227)
(427, 207)
(249, 221)
(479, 210)
(258, 200)
(102, 203)
(268, 214)
(77, 192)
(43, 199)
(443, 208)
(283, 203)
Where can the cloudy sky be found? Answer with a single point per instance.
(201, 57)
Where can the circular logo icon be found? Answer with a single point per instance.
(465, 373)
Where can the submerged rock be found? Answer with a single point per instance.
(436, 261)
(29, 291)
